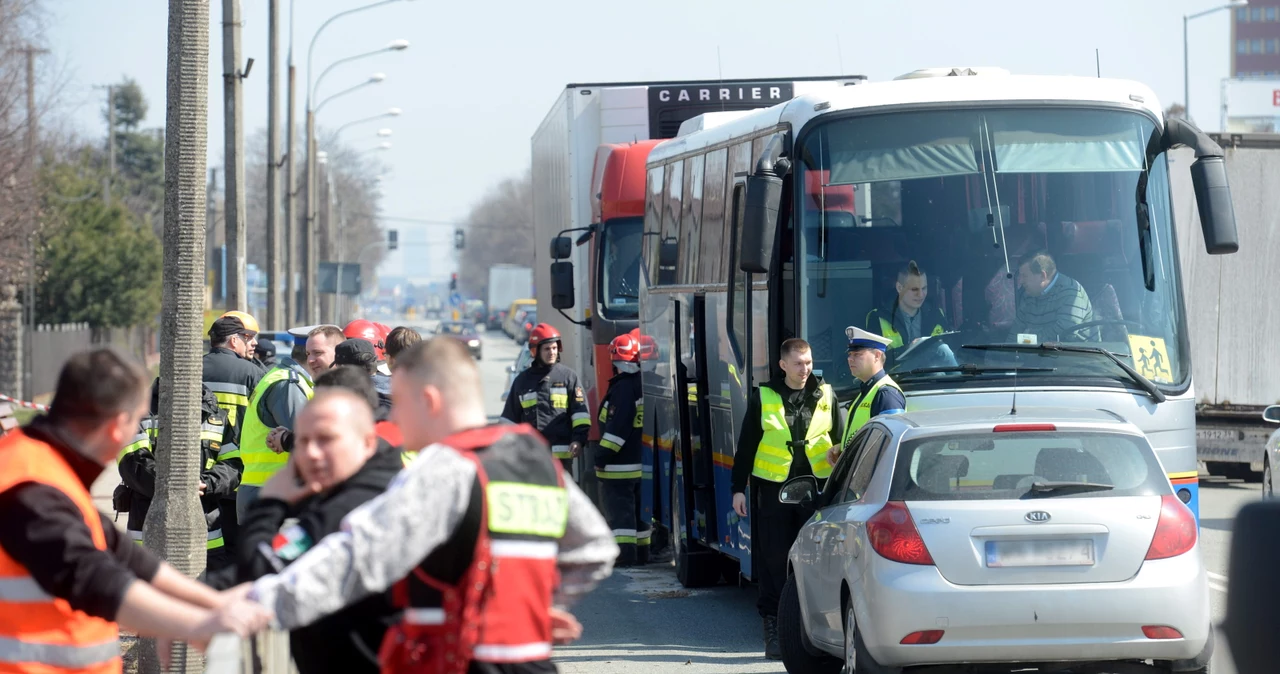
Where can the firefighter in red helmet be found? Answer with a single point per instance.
(618, 459)
(548, 397)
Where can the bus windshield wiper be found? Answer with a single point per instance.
(967, 369)
(1142, 382)
(1047, 487)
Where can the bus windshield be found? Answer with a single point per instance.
(620, 268)
(991, 227)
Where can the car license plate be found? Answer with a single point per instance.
(1039, 553)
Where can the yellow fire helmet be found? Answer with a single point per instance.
(248, 321)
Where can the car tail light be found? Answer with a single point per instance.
(894, 535)
(929, 637)
(1021, 428)
(1161, 632)
(1175, 531)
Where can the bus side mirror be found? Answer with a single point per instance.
(759, 220)
(562, 285)
(1209, 180)
(561, 248)
(1213, 198)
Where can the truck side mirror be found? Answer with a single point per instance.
(561, 283)
(561, 248)
(1209, 180)
(759, 219)
(668, 253)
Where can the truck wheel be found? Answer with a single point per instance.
(798, 655)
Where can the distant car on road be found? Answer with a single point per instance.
(974, 536)
(526, 319)
(522, 363)
(1271, 453)
(464, 331)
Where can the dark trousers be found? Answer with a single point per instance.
(535, 667)
(620, 503)
(776, 527)
(230, 524)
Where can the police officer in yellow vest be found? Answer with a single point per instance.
(878, 394)
(275, 403)
(789, 425)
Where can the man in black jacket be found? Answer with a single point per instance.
(219, 475)
(548, 397)
(618, 456)
(789, 425)
(337, 464)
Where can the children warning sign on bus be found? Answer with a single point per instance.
(1151, 358)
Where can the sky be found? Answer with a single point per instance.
(479, 77)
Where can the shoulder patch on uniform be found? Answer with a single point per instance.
(290, 543)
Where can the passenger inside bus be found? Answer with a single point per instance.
(1006, 213)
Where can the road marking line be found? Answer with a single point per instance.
(1217, 576)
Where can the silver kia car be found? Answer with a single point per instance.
(1011, 541)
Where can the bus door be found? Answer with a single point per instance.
(692, 378)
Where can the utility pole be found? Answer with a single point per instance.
(273, 318)
(309, 221)
(233, 118)
(325, 222)
(175, 526)
(291, 206)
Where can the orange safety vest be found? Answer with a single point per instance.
(41, 634)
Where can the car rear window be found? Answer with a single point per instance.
(977, 466)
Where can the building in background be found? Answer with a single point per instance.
(1255, 40)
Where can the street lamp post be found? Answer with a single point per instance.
(373, 79)
(309, 310)
(1186, 69)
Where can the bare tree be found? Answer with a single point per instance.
(499, 230)
(175, 524)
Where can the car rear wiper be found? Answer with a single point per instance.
(1142, 382)
(967, 369)
(1045, 486)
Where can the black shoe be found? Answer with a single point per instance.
(772, 649)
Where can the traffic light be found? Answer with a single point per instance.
(393, 239)
(453, 283)
(459, 239)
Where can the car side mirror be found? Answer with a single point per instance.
(1250, 622)
(511, 368)
(1272, 414)
(799, 491)
(562, 292)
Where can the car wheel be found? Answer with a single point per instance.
(1268, 480)
(798, 655)
(856, 658)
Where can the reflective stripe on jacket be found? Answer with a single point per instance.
(860, 409)
(39, 633)
(773, 457)
(260, 463)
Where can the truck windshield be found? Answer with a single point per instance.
(939, 229)
(620, 268)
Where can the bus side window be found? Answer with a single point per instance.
(691, 220)
(714, 232)
(738, 290)
(671, 220)
(653, 222)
